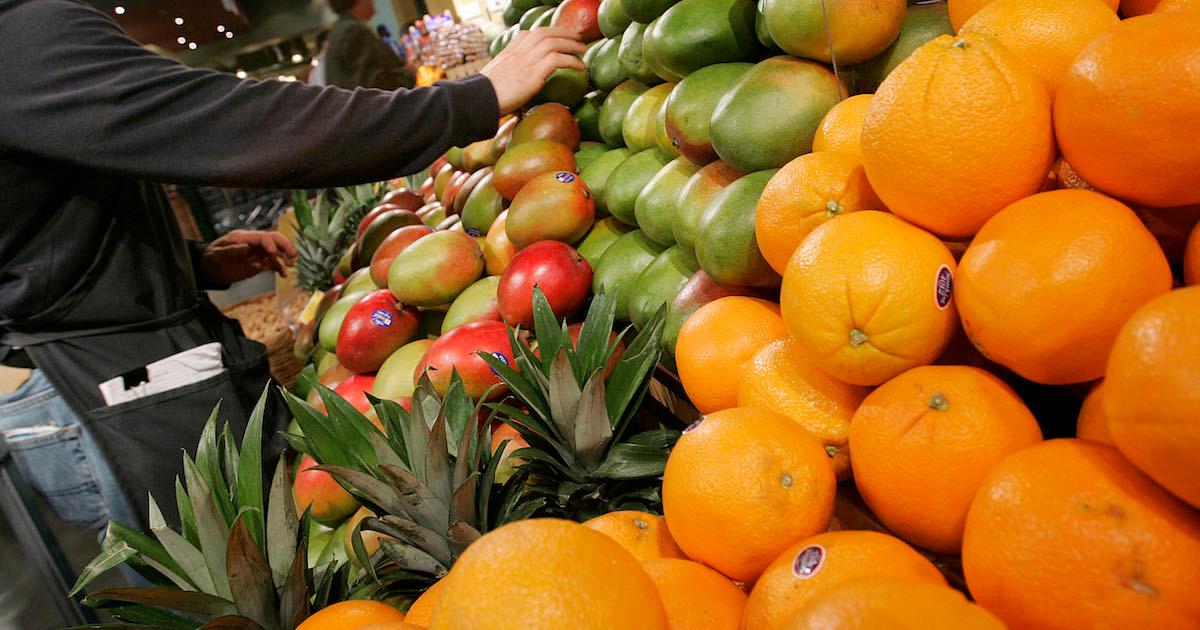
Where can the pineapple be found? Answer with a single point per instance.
(235, 558)
(586, 456)
(429, 475)
(324, 234)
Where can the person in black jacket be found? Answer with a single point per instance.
(97, 288)
(355, 57)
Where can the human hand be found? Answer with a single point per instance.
(521, 69)
(242, 254)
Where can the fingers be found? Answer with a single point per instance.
(285, 245)
(553, 45)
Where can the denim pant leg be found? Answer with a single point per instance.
(59, 457)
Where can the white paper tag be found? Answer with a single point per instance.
(164, 375)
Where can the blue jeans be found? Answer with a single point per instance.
(59, 458)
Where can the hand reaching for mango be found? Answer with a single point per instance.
(521, 69)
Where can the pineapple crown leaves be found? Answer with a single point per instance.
(324, 233)
(578, 420)
(429, 476)
(236, 559)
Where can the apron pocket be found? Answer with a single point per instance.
(147, 436)
(52, 459)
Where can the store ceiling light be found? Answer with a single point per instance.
(178, 21)
(220, 28)
(182, 40)
(228, 35)
(297, 58)
(241, 74)
(119, 10)
(192, 46)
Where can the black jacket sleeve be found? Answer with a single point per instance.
(355, 57)
(77, 90)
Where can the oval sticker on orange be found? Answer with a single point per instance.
(943, 290)
(808, 562)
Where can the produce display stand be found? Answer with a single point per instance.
(626, 198)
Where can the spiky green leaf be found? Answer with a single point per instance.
(250, 577)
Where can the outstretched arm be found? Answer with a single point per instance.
(77, 90)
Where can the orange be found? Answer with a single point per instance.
(956, 132)
(887, 602)
(923, 442)
(962, 10)
(782, 378)
(394, 625)
(547, 573)
(1092, 424)
(1191, 257)
(1131, 8)
(807, 570)
(805, 193)
(1046, 34)
(717, 341)
(421, 611)
(1152, 392)
(695, 596)
(869, 296)
(1067, 534)
(742, 485)
(1176, 6)
(355, 614)
(641, 534)
(1046, 284)
(841, 128)
(1116, 125)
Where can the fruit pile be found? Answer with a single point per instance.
(887, 249)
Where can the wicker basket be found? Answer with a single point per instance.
(262, 320)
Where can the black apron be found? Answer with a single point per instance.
(137, 304)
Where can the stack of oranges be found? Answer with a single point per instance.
(1028, 185)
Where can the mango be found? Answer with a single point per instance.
(604, 68)
(629, 55)
(476, 303)
(751, 128)
(698, 33)
(548, 121)
(527, 160)
(628, 181)
(612, 18)
(726, 247)
(616, 108)
(551, 207)
(658, 284)
(655, 209)
(588, 152)
(690, 106)
(618, 269)
(435, 269)
(483, 205)
(604, 232)
(639, 128)
(587, 116)
(596, 174)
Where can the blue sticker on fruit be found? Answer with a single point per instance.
(474, 232)
(944, 287)
(503, 359)
(565, 177)
(381, 318)
(808, 562)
